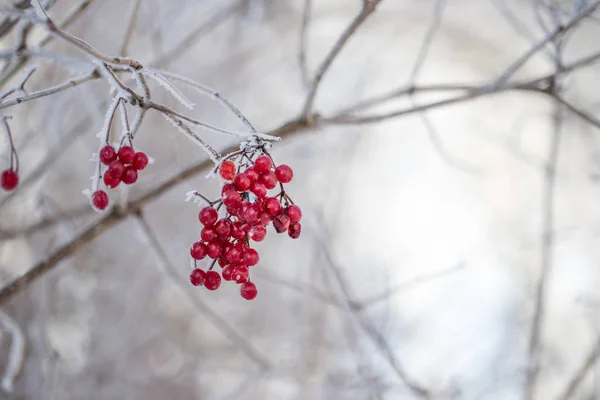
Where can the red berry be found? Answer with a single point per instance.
(259, 190)
(257, 233)
(241, 183)
(227, 272)
(227, 170)
(251, 257)
(213, 280)
(228, 187)
(237, 232)
(208, 216)
(223, 227)
(197, 277)
(110, 181)
(272, 205)
(222, 261)
(232, 199)
(235, 254)
(198, 251)
(107, 154)
(263, 164)
(129, 176)
(116, 169)
(281, 223)
(294, 230)
(100, 200)
(213, 249)
(208, 234)
(265, 218)
(252, 213)
(252, 174)
(9, 180)
(240, 274)
(284, 173)
(294, 213)
(269, 179)
(248, 291)
(126, 154)
(140, 161)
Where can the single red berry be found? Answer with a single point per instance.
(130, 176)
(227, 272)
(100, 200)
(269, 179)
(265, 218)
(213, 280)
(237, 232)
(208, 234)
(213, 249)
(284, 173)
(9, 180)
(259, 189)
(294, 213)
(228, 187)
(110, 181)
(281, 223)
(241, 182)
(235, 254)
(257, 233)
(222, 261)
(272, 205)
(126, 154)
(252, 174)
(251, 257)
(223, 227)
(263, 164)
(294, 230)
(227, 170)
(107, 154)
(241, 274)
(208, 216)
(248, 291)
(198, 251)
(197, 277)
(252, 213)
(140, 161)
(116, 169)
(232, 199)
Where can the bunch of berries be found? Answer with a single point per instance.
(123, 166)
(249, 211)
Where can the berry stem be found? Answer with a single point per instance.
(14, 158)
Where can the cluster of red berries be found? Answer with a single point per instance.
(123, 166)
(249, 210)
(9, 180)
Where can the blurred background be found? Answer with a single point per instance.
(432, 241)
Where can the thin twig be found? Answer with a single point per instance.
(581, 372)
(130, 27)
(367, 9)
(169, 270)
(303, 42)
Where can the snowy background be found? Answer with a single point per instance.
(416, 267)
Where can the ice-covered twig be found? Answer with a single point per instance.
(16, 354)
(215, 95)
(186, 130)
(176, 93)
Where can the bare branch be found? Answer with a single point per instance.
(303, 42)
(550, 37)
(169, 270)
(581, 372)
(368, 8)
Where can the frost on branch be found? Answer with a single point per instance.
(241, 215)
